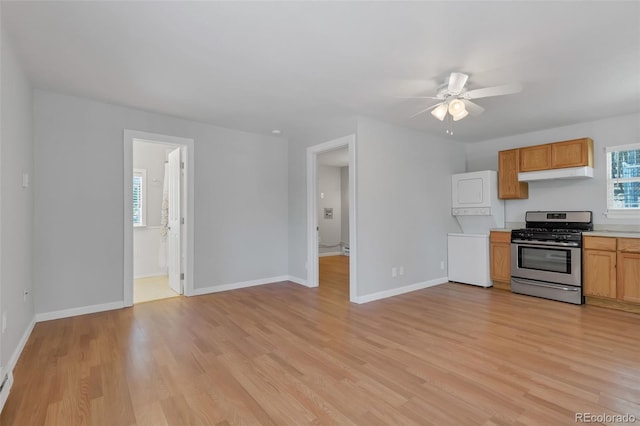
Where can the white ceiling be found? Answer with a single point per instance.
(258, 66)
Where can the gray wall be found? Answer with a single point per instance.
(16, 209)
(344, 195)
(404, 204)
(583, 194)
(330, 229)
(241, 215)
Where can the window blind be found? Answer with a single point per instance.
(138, 201)
(623, 179)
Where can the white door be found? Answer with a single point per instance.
(173, 235)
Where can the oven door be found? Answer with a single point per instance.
(553, 262)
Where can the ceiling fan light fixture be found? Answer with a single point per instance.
(440, 111)
(456, 107)
(461, 115)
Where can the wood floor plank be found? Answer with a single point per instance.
(284, 354)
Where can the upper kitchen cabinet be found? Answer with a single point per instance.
(558, 155)
(573, 153)
(508, 167)
(534, 158)
(558, 160)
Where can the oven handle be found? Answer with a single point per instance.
(546, 243)
(539, 284)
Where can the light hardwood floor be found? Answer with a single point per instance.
(283, 354)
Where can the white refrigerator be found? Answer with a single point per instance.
(476, 207)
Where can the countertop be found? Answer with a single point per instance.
(612, 234)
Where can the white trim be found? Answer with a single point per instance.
(243, 284)
(623, 214)
(21, 344)
(628, 147)
(312, 213)
(148, 228)
(8, 368)
(129, 136)
(4, 395)
(297, 280)
(148, 276)
(332, 253)
(401, 290)
(83, 310)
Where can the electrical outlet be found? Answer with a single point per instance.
(442, 265)
(401, 270)
(394, 272)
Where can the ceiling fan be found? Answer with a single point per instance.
(456, 99)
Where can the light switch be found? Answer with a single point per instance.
(25, 180)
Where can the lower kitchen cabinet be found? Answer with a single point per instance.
(629, 276)
(599, 273)
(611, 269)
(500, 247)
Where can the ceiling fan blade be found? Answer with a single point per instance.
(425, 110)
(473, 108)
(417, 97)
(506, 89)
(457, 80)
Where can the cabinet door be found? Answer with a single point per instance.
(508, 185)
(629, 277)
(599, 273)
(534, 158)
(573, 153)
(501, 262)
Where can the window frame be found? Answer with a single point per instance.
(617, 213)
(142, 174)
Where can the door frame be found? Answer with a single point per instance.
(312, 211)
(187, 250)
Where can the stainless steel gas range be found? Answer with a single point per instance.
(546, 256)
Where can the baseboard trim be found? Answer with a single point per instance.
(297, 280)
(21, 344)
(8, 369)
(332, 253)
(235, 286)
(150, 275)
(401, 290)
(6, 389)
(83, 310)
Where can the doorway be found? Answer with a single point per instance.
(333, 222)
(157, 199)
(158, 217)
(331, 212)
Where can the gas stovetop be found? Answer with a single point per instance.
(554, 226)
(541, 234)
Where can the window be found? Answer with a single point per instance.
(139, 197)
(623, 181)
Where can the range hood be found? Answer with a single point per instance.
(568, 173)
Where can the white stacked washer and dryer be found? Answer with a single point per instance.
(476, 207)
